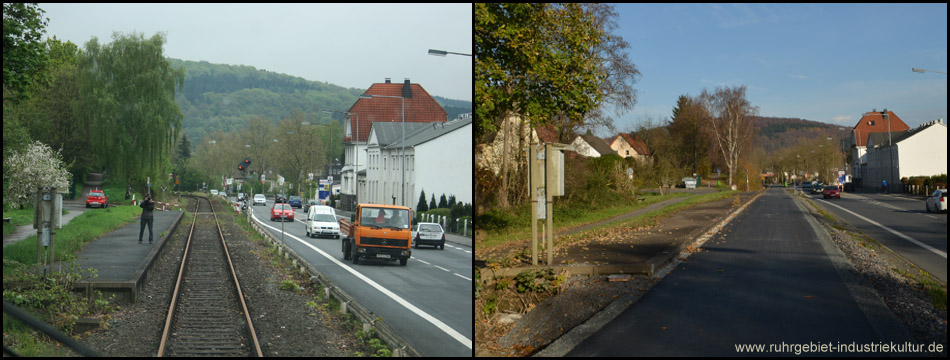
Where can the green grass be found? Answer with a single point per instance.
(652, 218)
(519, 218)
(70, 239)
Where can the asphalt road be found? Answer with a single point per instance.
(429, 301)
(900, 223)
(772, 280)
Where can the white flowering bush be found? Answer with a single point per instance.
(35, 167)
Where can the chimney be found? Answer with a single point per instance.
(387, 81)
(406, 90)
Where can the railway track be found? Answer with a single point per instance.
(207, 315)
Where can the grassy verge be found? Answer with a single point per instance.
(520, 227)
(652, 218)
(18, 218)
(68, 240)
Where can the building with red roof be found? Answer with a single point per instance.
(420, 107)
(870, 123)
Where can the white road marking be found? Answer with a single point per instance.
(942, 254)
(456, 274)
(432, 320)
(447, 270)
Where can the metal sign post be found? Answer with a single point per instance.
(546, 180)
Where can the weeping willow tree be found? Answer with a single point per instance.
(127, 100)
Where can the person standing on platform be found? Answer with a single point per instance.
(147, 207)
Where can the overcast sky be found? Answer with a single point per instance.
(351, 45)
(822, 62)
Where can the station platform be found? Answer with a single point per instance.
(122, 264)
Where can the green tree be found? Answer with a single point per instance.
(432, 203)
(422, 206)
(128, 102)
(184, 149)
(689, 143)
(548, 63)
(23, 54)
(442, 202)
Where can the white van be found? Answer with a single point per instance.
(322, 222)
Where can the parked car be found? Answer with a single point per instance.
(281, 211)
(806, 187)
(311, 202)
(214, 192)
(296, 201)
(937, 201)
(260, 199)
(97, 198)
(831, 191)
(429, 234)
(322, 222)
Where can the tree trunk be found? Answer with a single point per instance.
(503, 190)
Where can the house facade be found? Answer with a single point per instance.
(438, 160)
(420, 107)
(918, 152)
(626, 145)
(591, 146)
(871, 122)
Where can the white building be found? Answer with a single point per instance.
(917, 152)
(591, 146)
(387, 103)
(438, 160)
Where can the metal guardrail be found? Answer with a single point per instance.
(401, 348)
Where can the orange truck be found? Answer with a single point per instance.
(377, 232)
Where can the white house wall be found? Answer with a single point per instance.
(444, 166)
(583, 148)
(924, 153)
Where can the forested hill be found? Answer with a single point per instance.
(223, 97)
(776, 133)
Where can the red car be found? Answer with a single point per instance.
(97, 198)
(286, 209)
(831, 191)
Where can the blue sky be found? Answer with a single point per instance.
(827, 63)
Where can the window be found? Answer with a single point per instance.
(628, 152)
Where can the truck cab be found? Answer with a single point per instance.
(377, 232)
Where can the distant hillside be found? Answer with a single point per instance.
(223, 97)
(776, 133)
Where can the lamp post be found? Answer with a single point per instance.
(356, 155)
(403, 151)
(442, 53)
(914, 69)
(890, 146)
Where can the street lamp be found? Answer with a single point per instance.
(403, 155)
(914, 69)
(435, 52)
(356, 155)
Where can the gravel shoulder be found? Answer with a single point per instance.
(898, 282)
